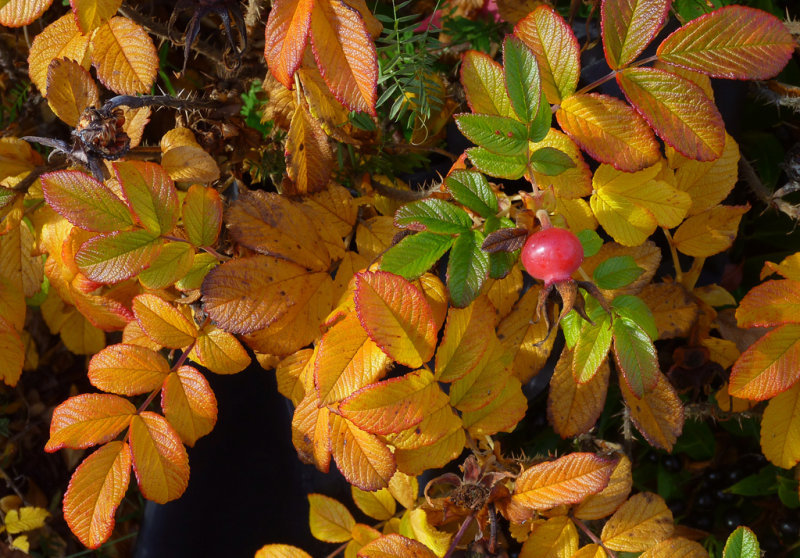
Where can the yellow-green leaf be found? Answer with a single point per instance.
(629, 26)
(769, 366)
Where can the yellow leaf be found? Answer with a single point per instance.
(606, 502)
(347, 359)
(504, 293)
(721, 351)
(88, 419)
(485, 381)
(397, 317)
(630, 206)
(362, 535)
(714, 295)
(435, 293)
(395, 546)
(556, 538)
(60, 39)
(329, 113)
(710, 232)
(674, 309)
(577, 214)
(573, 408)
(91, 14)
(26, 518)
(80, 336)
(467, 335)
(12, 353)
(590, 551)
(21, 543)
(70, 90)
(574, 182)
(330, 520)
(18, 13)
(707, 182)
(378, 505)
(162, 322)
(567, 480)
(523, 339)
(127, 369)
(333, 210)
(189, 404)
(202, 215)
(731, 404)
(219, 351)
(501, 415)
(17, 157)
(124, 56)
(789, 268)
(780, 428)
(375, 235)
(311, 432)
(309, 159)
(405, 489)
(295, 375)
(434, 456)
(677, 547)
(361, 457)
(280, 551)
(427, 534)
(438, 423)
(159, 458)
(94, 492)
(641, 521)
(19, 261)
(658, 415)
(188, 163)
(135, 121)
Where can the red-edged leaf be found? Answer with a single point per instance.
(557, 51)
(629, 26)
(609, 130)
(677, 109)
(159, 458)
(770, 304)
(769, 366)
(118, 256)
(150, 193)
(286, 37)
(189, 404)
(484, 85)
(345, 54)
(733, 42)
(95, 490)
(85, 202)
(87, 420)
(361, 457)
(396, 316)
(127, 369)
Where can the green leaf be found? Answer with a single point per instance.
(495, 165)
(591, 349)
(571, 326)
(540, 126)
(150, 193)
(787, 492)
(415, 254)
(635, 355)
(202, 264)
(171, 265)
(763, 483)
(522, 78)
(118, 256)
(503, 136)
(590, 241)
(742, 544)
(437, 216)
(696, 440)
(482, 79)
(500, 263)
(633, 308)
(467, 268)
(550, 161)
(616, 272)
(472, 190)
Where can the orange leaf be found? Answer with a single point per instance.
(733, 42)
(396, 316)
(606, 502)
(189, 404)
(485, 381)
(770, 304)
(676, 547)
(91, 14)
(345, 54)
(395, 546)
(70, 90)
(629, 26)
(641, 521)
(274, 225)
(484, 85)
(677, 109)
(114, 257)
(609, 130)
(769, 366)
(150, 194)
(309, 159)
(12, 353)
(60, 39)
(95, 490)
(573, 408)
(159, 458)
(311, 432)
(525, 339)
(780, 428)
(658, 414)
(501, 415)
(333, 209)
(465, 339)
(556, 538)
(347, 359)
(674, 309)
(281, 551)
(127, 369)
(556, 49)
(87, 420)
(18, 13)
(85, 202)
(219, 351)
(395, 404)
(202, 215)
(362, 458)
(329, 519)
(162, 322)
(286, 36)
(567, 480)
(124, 56)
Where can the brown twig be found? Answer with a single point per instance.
(749, 175)
(595, 539)
(459, 534)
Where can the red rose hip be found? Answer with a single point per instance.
(552, 255)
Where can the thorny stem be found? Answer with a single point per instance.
(459, 534)
(582, 526)
(749, 175)
(674, 253)
(134, 102)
